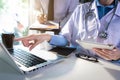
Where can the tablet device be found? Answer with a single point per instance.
(90, 45)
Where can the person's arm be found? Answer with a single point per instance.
(32, 41)
(72, 5)
(58, 40)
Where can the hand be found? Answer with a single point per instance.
(33, 40)
(42, 18)
(113, 54)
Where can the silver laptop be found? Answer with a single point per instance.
(26, 62)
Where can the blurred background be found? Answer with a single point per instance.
(17, 15)
(14, 16)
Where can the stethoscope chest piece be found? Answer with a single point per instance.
(103, 35)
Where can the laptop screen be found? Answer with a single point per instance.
(8, 58)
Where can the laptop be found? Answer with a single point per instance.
(24, 61)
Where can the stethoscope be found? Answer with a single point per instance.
(91, 16)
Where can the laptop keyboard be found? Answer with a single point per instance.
(25, 58)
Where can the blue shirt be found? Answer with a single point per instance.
(103, 10)
(58, 40)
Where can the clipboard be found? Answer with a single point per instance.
(90, 45)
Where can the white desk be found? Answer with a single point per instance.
(70, 69)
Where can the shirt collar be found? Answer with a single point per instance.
(98, 4)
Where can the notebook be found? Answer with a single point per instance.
(25, 62)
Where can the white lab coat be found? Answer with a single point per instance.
(75, 29)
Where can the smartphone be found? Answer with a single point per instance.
(90, 45)
(64, 51)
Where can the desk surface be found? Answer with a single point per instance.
(71, 68)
